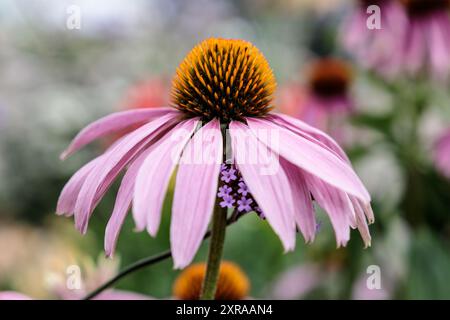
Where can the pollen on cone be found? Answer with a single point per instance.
(224, 78)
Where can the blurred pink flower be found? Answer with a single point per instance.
(327, 101)
(376, 48)
(427, 40)
(361, 290)
(299, 281)
(12, 295)
(441, 154)
(106, 295)
(307, 161)
(93, 277)
(414, 37)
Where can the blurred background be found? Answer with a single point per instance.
(57, 76)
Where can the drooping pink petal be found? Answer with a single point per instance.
(112, 123)
(69, 194)
(309, 132)
(111, 164)
(122, 204)
(266, 181)
(304, 210)
(361, 222)
(154, 175)
(337, 205)
(195, 192)
(313, 158)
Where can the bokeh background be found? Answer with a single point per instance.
(54, 80)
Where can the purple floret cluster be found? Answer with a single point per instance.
(234, 193)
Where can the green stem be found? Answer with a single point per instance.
(145, 262)
(219, 224)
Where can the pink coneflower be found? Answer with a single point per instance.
(376, 48)
(441, 154)
(328, 82)
(223, 89)
(427, 40)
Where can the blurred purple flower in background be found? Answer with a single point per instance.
(376, 48)
(427, 40)
(414, 36)
(328, 100)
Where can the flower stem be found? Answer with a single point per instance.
(146, 262)
(219, 225)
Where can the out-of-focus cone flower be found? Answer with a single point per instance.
(376, 49)
(441, 154)
(233, 284)
(328, 98)
(329, 84)
(427, 40)
(221, 84)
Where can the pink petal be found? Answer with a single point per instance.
(309, 132)
(154, 175)
(337, 205)
(313, 158)
(195, 192)
(69, 194)
(122, 204)
(112, 162)
(361, 222)
(270, 190)
(112, 123)
(304, 210)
